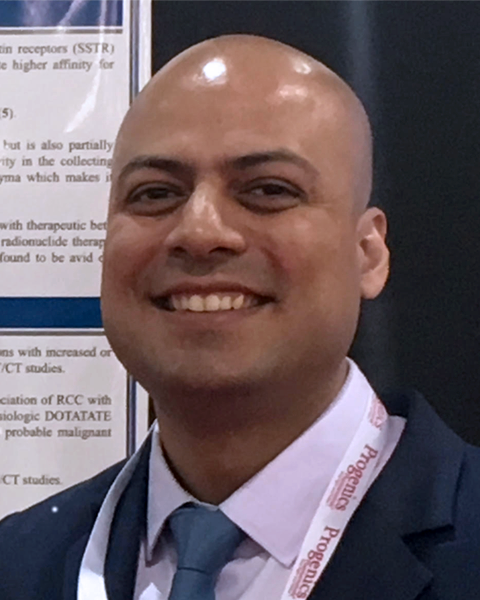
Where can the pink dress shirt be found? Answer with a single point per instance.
(274, 508)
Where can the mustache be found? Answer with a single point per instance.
(254, 273)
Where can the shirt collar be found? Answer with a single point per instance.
(165, 494)
(276, 506)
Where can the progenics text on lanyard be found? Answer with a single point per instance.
(354, 476)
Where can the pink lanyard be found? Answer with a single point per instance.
(350, 483)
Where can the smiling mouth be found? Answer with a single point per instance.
(219, 302)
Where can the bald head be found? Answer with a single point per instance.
(251, 74)
(241, 174)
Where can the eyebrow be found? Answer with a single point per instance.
(159, 163)
(178, 167)
(258, 158)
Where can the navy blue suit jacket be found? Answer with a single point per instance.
(416, 535)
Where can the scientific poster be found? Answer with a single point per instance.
(68, 72)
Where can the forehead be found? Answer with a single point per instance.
(237, 117)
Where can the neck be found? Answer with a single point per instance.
(217, 445)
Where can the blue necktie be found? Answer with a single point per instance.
(205, 541)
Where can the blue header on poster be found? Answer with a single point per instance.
(50, 313)
(61, 13)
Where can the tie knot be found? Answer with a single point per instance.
(205, 538)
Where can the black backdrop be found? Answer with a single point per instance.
(416, 66)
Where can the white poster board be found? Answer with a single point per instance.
(68, 72)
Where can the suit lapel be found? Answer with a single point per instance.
(121, 563)
(126, 533)
(407, 510)
(372, 562)
(72, 567)
(85, 520)
(74, 553)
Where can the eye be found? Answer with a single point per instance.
(156, 198)
(270, 189)
(270, 196)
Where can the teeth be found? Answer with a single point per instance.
(238, 302)
(226, 303)
(177, 305)
(196, 304)
(211, 303)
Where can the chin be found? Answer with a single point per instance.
(199, 377)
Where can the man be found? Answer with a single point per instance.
(239, 247)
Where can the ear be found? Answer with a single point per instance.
(374, 256)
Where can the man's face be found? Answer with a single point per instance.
(232, 254)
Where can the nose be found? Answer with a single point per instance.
(202, 232)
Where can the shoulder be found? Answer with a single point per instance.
(456, 560)
(469, 489)
(430, 449)
(432, 489)
(42, 534)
